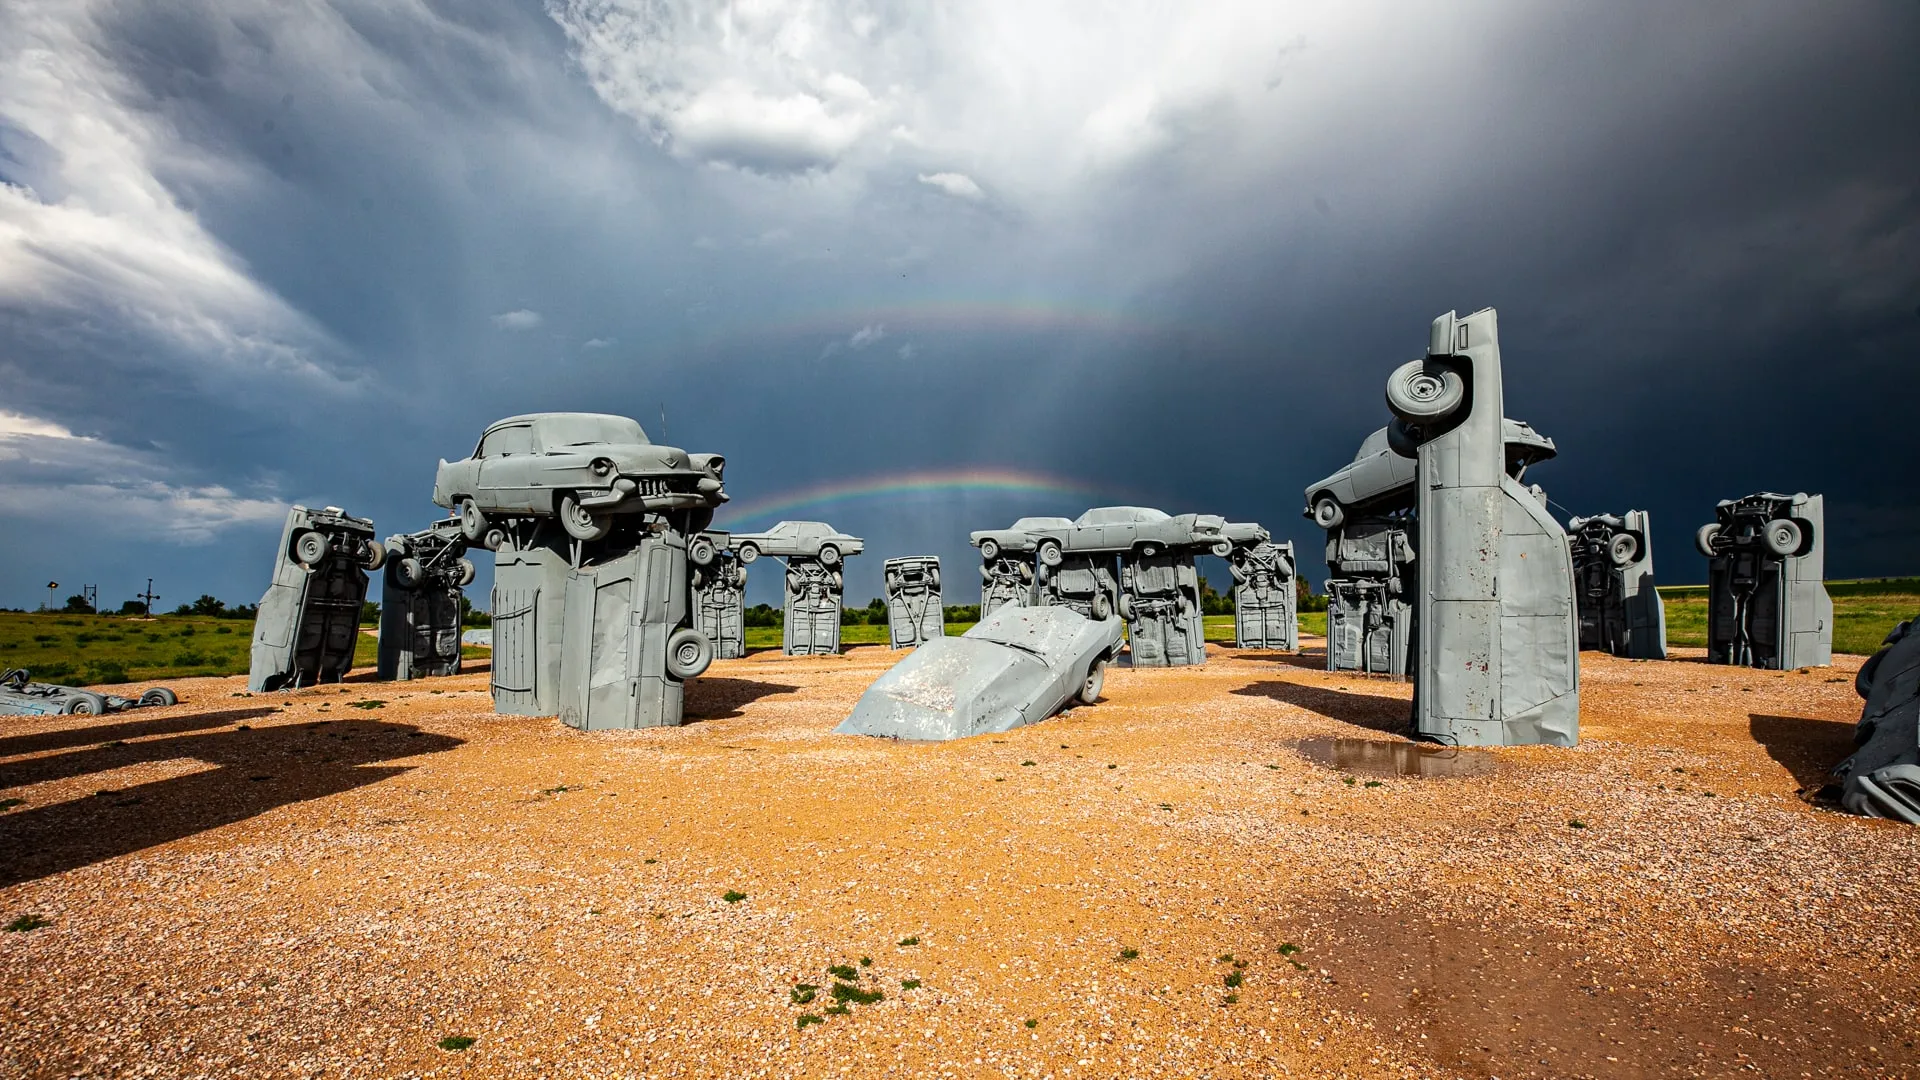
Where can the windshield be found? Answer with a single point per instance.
(580, 429)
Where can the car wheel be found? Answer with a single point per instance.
(989, 549)
(408, 573)
(1096, 679)
(310, 547)
(1425, 390)
(1050, 554)
(463, 572)
(1623, 549)
(1783, 536)
(986, 573)
(376, 555)
(839, 582)
(473, 523)
(829, 555)
(1102, 607)
(748, 553)
(581, 523)
(1126, 606)
(933, 578)
(495, 539)
(86, 703)
(1704, 538)
(1222, 548)
(689, 653)
(1148, 551)
(159, 696)
(701, 551)
(1403, 438)
(1328, 513)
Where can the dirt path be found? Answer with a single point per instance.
(289, 885)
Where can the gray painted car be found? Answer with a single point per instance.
(20, 696)
(1140, 530)
(581, 468)
(799, 540)
(1381, 474)
(1018, 666)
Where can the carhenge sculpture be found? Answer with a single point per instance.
(1497, 649)
(588, 521)
(1767, 602)
(914, 613)
(719, 593)
(309, 619)
(1265, 601)
(420, 602)
(815, 553)
(1882, 777)
(1009, 567)
(1620, 612)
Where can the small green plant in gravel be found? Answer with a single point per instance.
(456, 1043)
(866, 961)
(561, 790)
(1225, 958)
(1031, 1023)
(733, 896)
(25, 923)
(802, 1021)
(909, 984)
(802, 993)
(1026, 763)
(1230, 999)
(1234, 979)
(370, 703)
(839, 1010)
(907, 942)
(8, 804)
(1576, 823)
(843, 971)
(1375, 783)
(1128, 954)
(848, 994)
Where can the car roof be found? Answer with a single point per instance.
(1041, 523)
(548, 417)
(1048, 632)
(1120, 515)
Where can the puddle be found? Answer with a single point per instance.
(1369, 757)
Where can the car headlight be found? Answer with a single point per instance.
(602, 467)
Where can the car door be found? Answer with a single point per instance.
(506, 469)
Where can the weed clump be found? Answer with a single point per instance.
(848, 994)
(1128, 954)
(801, 1022)
(905, 942)
(456, 1043)
(25, 923)
(802, 993)
(733, 896)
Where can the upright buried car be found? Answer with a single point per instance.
(582, 468)
(1018, 666)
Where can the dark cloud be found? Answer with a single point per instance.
(283, 276)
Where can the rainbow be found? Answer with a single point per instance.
(945, 482)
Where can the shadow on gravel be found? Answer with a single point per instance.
(722, 699)
(97, 733)
(252, 771)
(1806, 748)
(1363, 710)
(1514, 999)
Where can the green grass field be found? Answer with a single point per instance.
(100, 649)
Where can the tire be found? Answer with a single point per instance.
(989, 550)
(1148, 551)
(473, 523)
(1095, 680)
(689, 653)
(1049, 551)
(581, 523)
(933, 578)
(829, 556)
(1126, 606)
(463, 572)
(748, 553)
(1419, 395)
(86, 703)
(1403, 438)
(701, 551)
(1328, 513)
(408, 573)
(839, 581)
(1222, 548)
(986, 572)
(1784, 536)
(311, 548)
(1704, 537)
(1623, 549)
(495, 539)
(159, 696)
(1102, 607)
(376, 556)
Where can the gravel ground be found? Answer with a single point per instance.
(313, 885)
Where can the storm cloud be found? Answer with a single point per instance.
(256, 253)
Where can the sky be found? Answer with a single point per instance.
(920, 269)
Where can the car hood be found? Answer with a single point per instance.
(950, 688)
(632, 457)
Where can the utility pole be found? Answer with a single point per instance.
(149, 596)
(91, 593)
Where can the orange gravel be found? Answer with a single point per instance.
(1162, 885)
